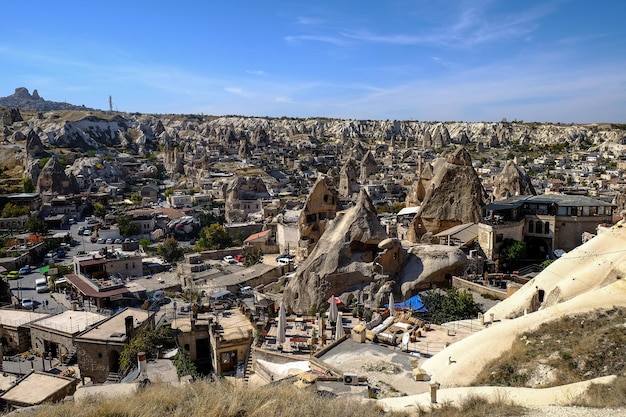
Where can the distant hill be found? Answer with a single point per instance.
(23, 100)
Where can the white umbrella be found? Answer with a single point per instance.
(339, 331)
(282, 321)
(391, 304)
(333, 312)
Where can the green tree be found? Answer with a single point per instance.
(214, 236)
(126, 227)
(144, 242)
(99, 210)
(43, 162)
(35, 225)
(253, 258)
(170, 250)
(184, 364)
(27, 185)
(513, 249)
(145, 341)
(452, 305)
(14, 210)
(207, 218)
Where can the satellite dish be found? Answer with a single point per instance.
(405, 339)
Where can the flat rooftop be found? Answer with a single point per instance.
(16, 318)
(36, 388)
(114, 329)
(70, 322)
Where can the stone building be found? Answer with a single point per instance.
(54, 335)
(99, 348)
(543, 222)
(216, 342)
(14, 330)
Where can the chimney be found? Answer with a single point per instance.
(141, 362)
(129, 326)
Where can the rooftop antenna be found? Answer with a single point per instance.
(110, 104)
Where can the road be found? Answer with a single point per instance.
(24, 287)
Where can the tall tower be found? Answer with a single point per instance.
(110, 104)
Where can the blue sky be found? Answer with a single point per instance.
(450, 60)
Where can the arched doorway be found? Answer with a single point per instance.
(537, 248)
(114, 361)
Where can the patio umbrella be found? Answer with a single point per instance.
(282, 321)
(339, 331)
(391, 304)
(333, 312)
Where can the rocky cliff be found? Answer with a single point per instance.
(452, 195)
(22, 99)
(511, 181)
(341, 261)
(92, 129)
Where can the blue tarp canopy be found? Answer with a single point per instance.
(414, 303)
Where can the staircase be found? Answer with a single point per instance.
(249, 365)
(70, 357)
(113, 377)
(528, 269)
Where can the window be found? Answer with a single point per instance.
(538, 227)
(546, 228)
(531, 226)
(499, 238)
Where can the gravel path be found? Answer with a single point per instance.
(556, 411)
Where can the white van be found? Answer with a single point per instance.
(41, 285)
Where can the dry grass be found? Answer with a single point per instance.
(477, 406)
(219, 399)
(567, 350)
(604, 395)
(228, 399)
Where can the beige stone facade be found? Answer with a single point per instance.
(319, 209)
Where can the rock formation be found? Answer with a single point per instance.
(348, 180)
(512, 181)
(244, 197)
(341, 261)
(452, 195)
(52, 179)
(369, 166)
(429, 265)
(22, 99)
(319, 209)
(9, 116)
(34, 146)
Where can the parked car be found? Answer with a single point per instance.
(27, 303)
(81, 229)
(25, 270)
(100, 241)
(13, 275)
(117, 241)
(284, 261)
(109, 241)
(158, 297)
(87, 232)
(229, 259)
